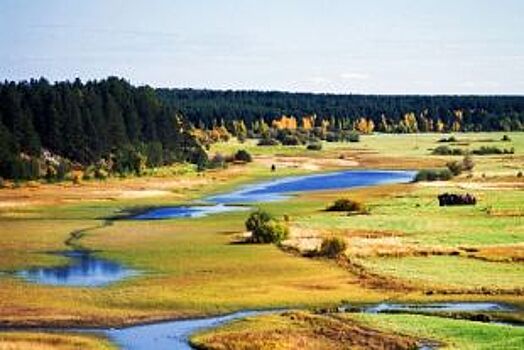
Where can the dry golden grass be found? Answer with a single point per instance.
(299, 330)
(47, 341)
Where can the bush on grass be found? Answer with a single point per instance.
(314, 146)
(487, 150)
(332, 247)
(447, 151)
(243, 156)
(448, 139)
(455, 167)
(265, 229)
(267, 141)
(433, 175)
(345, 204)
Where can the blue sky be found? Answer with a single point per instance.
(342, 46)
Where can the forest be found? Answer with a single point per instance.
(387, 113)
(47, 130)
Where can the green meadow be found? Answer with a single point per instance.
(197, 267)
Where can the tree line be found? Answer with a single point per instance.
(207, 109)
(111, 127)
(48, 129)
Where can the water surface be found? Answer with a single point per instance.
(83, 270)
(175, 334)
(169, 335)
(439, 307)
(280, 189)
(193, 211)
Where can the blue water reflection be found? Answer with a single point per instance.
(279, 189)
(83, 270)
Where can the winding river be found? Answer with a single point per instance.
(87, 270)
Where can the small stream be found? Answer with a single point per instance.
(175, 334)
(438, 307)
(169, 335)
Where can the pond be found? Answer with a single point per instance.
(83, 270)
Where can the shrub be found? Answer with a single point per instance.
(433, 175)
(353, 136)
(486, 150)
(76, 177)
(467, 163)
(519, 174)
(315, 146)
(267, 141)
(291, 140)
(265, 229)
(256, 219)
(332, 247)
(218, 161)
(447, 151)
(332, 136)
(506, 138)
(89, 173)
(456, 199)
(243, 156)
(455, 167)
(449, 139)
(101, 174)
(344, 204)
(270, 232)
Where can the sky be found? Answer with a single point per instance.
(336, 46)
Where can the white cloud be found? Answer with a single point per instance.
(318, 80)
(354, 76)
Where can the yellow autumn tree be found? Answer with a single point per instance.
(410, 122)
(365, 126)
(439, 126)
(285, 122)
(308, 122)
(457, 122)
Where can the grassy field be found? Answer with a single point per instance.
(455, 334)
(293, 330)
(192, 268)
(299, 330)
(46, 341)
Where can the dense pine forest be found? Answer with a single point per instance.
(387, 113)
(47, 130)
(111, 127)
